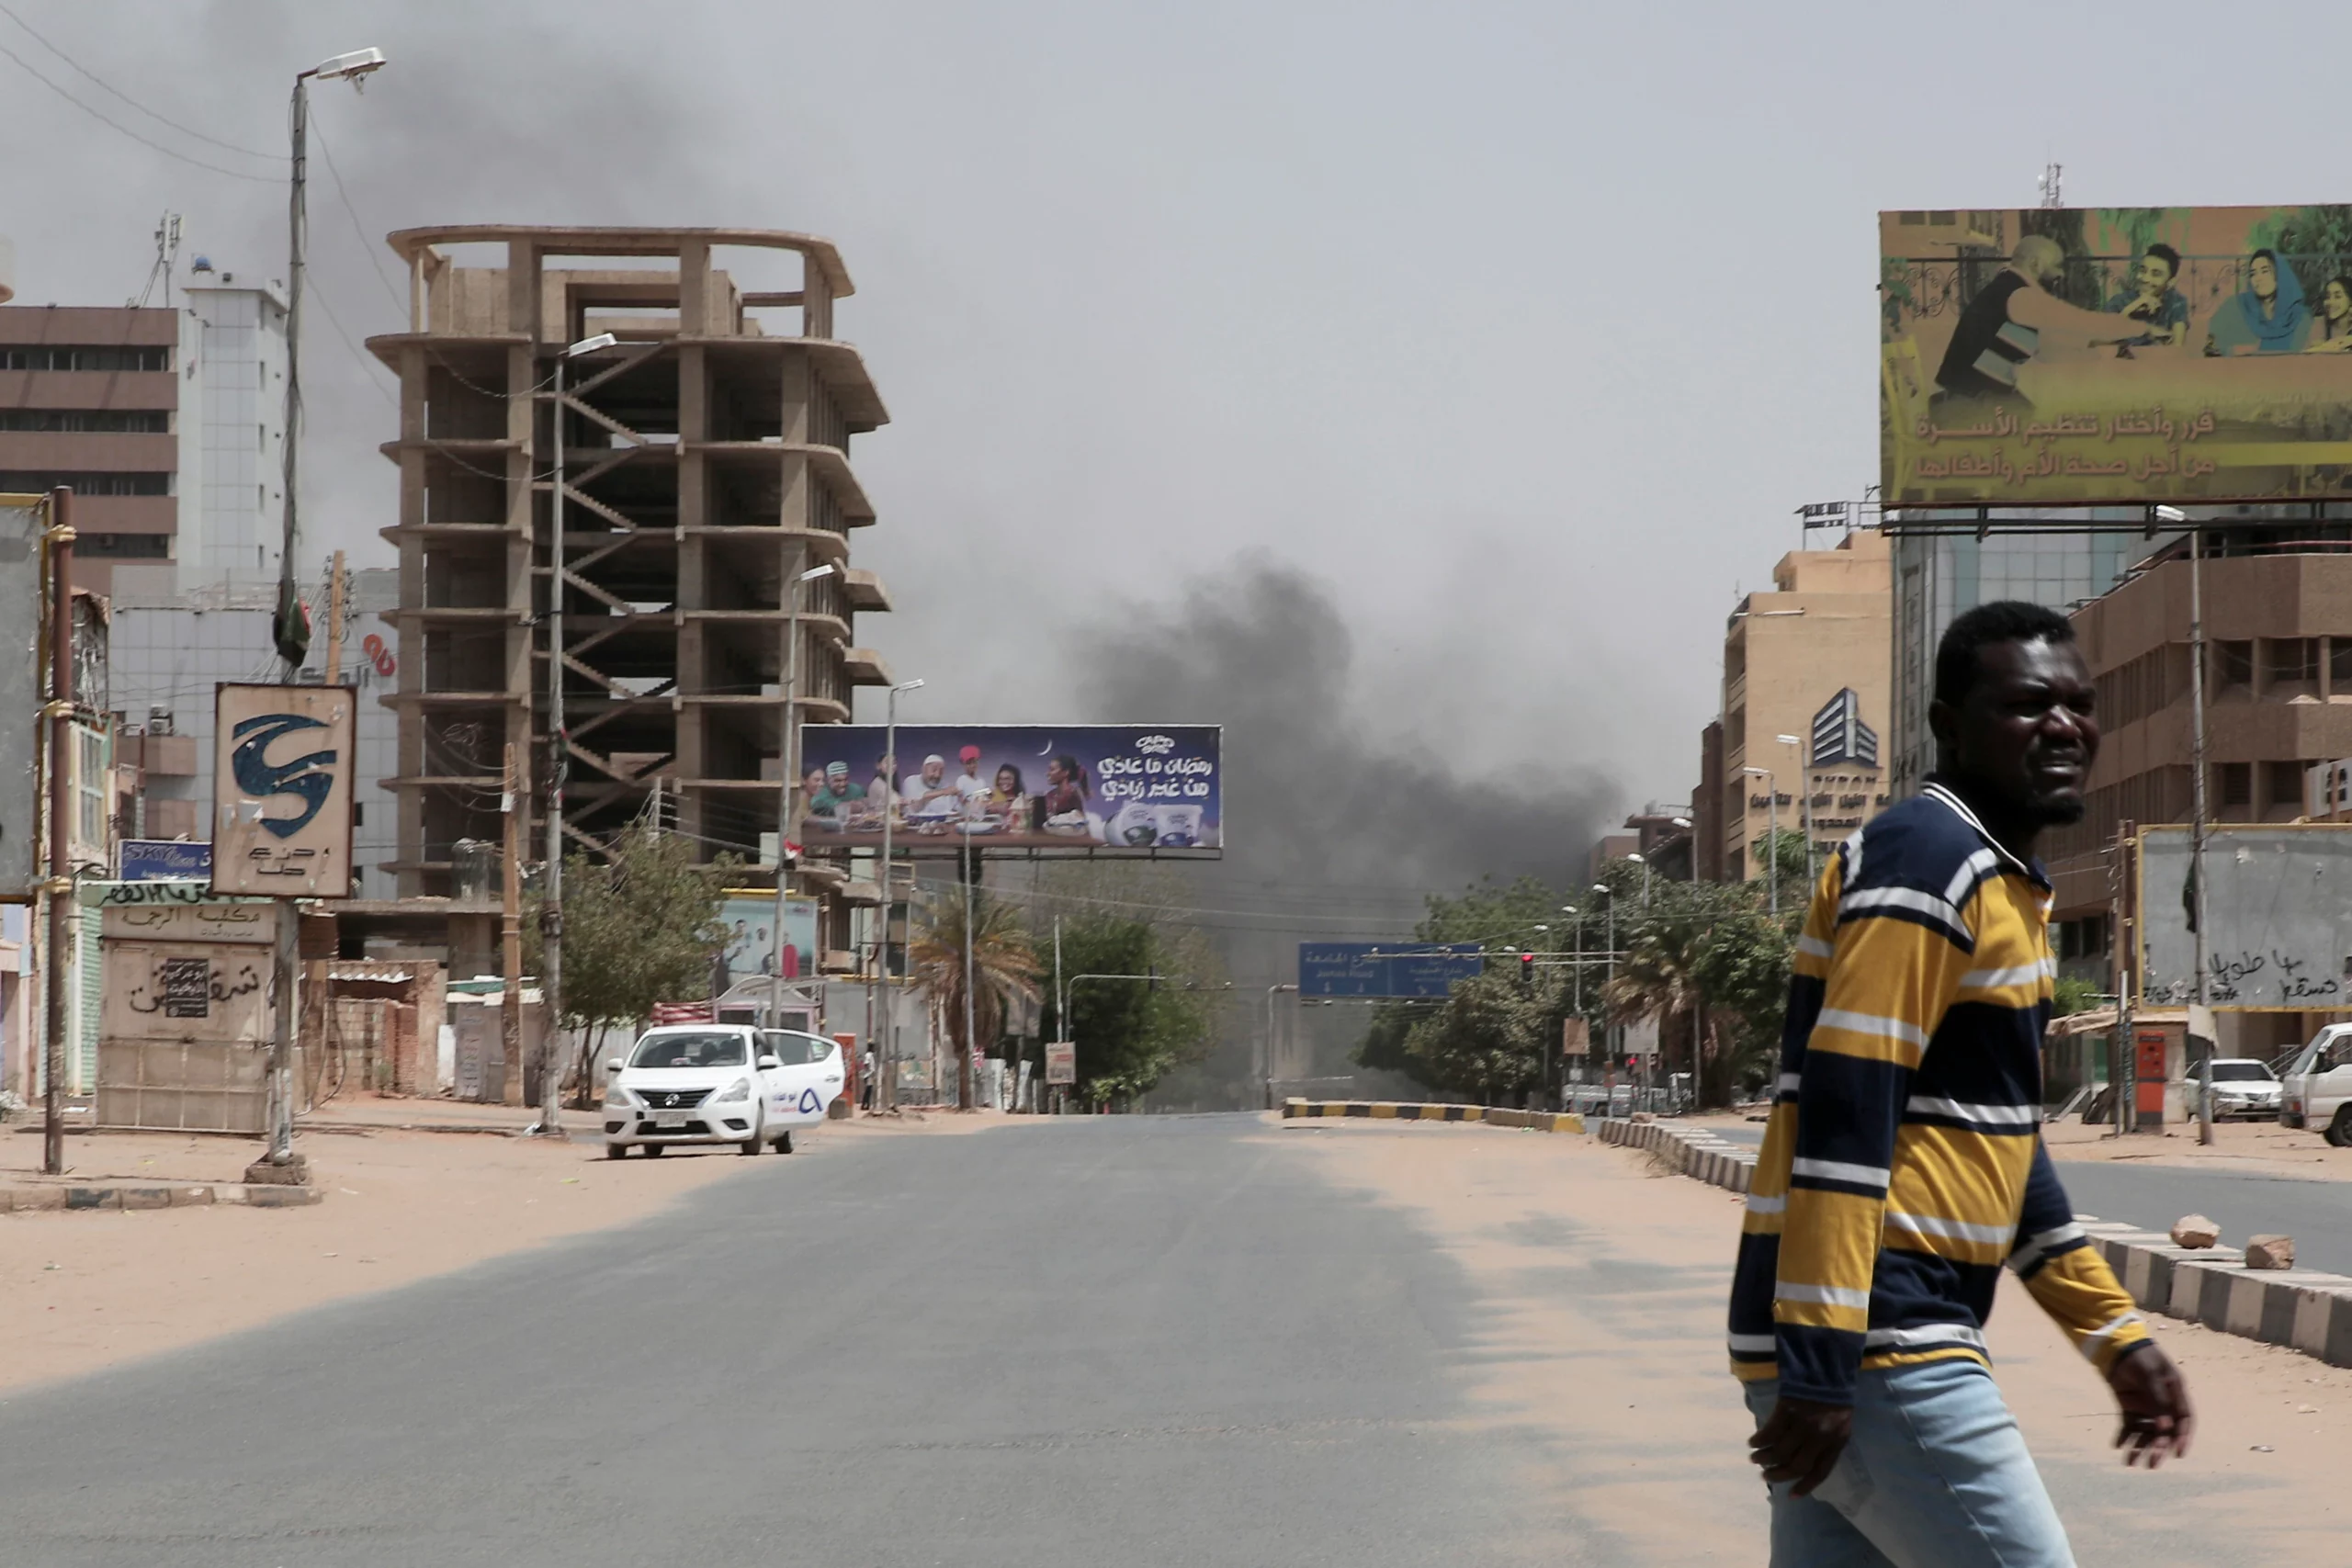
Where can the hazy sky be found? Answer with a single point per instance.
(1519, 329)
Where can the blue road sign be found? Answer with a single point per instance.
(1384, 969)
(158, 859)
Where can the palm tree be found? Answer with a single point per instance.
(1003, 965)
(1657, 976)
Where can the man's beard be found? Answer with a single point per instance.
(2060, 813)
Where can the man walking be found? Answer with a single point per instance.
(1904, 1165)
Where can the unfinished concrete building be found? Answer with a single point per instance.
(704, 466)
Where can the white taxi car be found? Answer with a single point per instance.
(718, 1083)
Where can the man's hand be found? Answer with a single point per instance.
(1801, 1440)
(2157, 1421)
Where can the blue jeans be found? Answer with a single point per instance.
(1936, 1476)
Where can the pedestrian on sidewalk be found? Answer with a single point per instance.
(1904, 1164)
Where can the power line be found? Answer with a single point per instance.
(103, 86)
(115, 124)
(357, 227)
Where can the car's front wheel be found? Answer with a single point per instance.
(751, 1144)
(784, 1142)
(2339, 1131)
(654, 1151)
(614, 1151)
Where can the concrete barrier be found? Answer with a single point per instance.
(2298, 1308)
(34, 1197)
(1413, 1111)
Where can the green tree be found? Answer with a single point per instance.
(2071, 994)
(1489, 1039)
(640, 927)
(1003, 966)
(1129, 1033)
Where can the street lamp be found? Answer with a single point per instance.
(1268, 1075)
(292, 640)
(559, 757)
(1772, 835)
(288, 631)
(1804, 799)
(1643, 861)
(887, 1099)
(2196, 804)
(787, 757)
(1608, 1045)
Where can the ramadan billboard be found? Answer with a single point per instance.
(1089, 788)
(2083, 355)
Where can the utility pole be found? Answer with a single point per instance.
(2197, 802)
(510, 918)
(59, 538)
(560, 752)
(335, 622)
(887, 1098)
(787, 759)
(1061, 1017)
(971, 869)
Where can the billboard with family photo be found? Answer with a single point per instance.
(2074, 355)
(1095, 788)
(748, 916)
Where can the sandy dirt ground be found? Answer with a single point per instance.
(1603, 1281)
(82, 1291)
(2258, 1149)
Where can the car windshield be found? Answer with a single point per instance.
(792, 1050)
(688, 1051)
(2241, 1072)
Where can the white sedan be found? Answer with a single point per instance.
(2240, 1087)
(723, 1083)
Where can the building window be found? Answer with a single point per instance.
(2235, 783)
(2289, 661)
(26, 482)
(123, 547)
(2233, 664)
(2286, 783)
(69, 356)
(95, 421)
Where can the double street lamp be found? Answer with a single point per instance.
(887, 1095)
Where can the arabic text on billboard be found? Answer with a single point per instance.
(1384, 969)
(2078, 355)
(1096, 787)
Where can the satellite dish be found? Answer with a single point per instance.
(201, 264)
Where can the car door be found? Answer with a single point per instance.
(811, 1073)
(2330, 1078)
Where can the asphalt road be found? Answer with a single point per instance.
(2318, 1214)
(1117, 1340)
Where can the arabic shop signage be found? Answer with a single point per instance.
(281, 788)
(148, 860)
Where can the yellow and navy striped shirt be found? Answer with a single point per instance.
(1903, 1165)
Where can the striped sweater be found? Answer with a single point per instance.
(1903, 1165)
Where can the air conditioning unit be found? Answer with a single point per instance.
(159, 721)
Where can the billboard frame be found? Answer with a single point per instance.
(910, 843)
(1908, 388)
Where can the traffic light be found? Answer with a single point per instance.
(1526, 971)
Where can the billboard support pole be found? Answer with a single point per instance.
(60, 535)
(2197, 796)
(2127, 1093)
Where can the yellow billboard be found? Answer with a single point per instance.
(2079, 356)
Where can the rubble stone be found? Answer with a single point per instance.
(2195, 1230)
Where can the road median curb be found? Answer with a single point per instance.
(39, 1197)
(2302, 1309)
(1414, 1111)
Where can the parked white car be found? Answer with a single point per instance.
(2240, 1087)
(2317, 1088)
(718, 1083)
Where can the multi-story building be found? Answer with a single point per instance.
(2030, 556)
(168, 424)
(1803, 695)
(705, 461)
(2278, 702)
